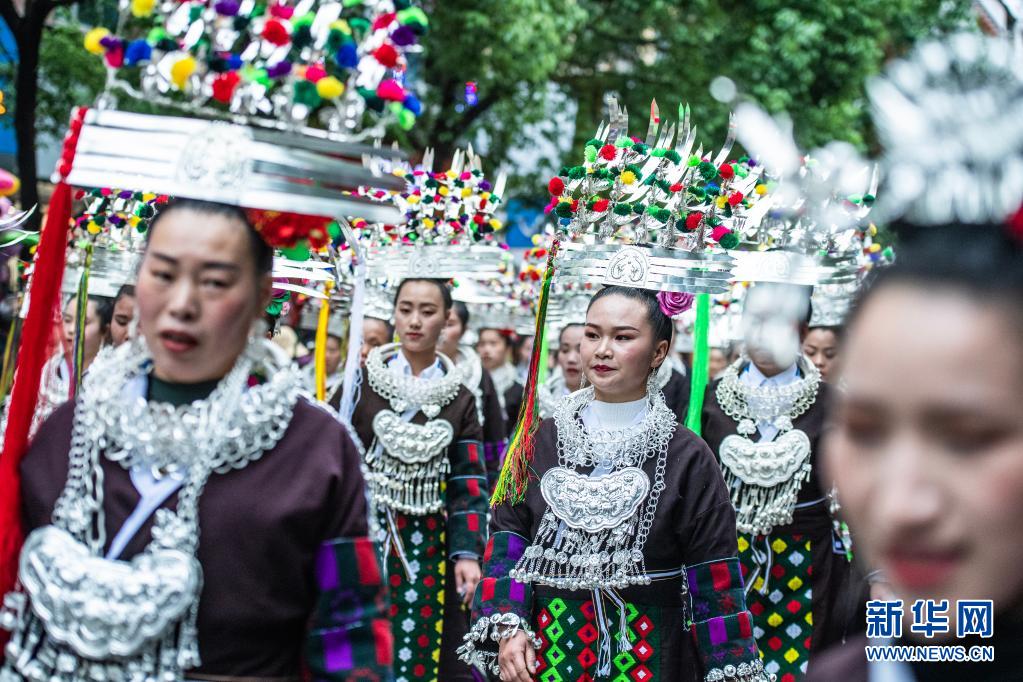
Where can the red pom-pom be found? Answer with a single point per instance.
(386, 55)
(556, 187)
(693, 220)
(275, 33)
(575, 205)
(726, 170)
(315, 72)
(718, 232)
(735, 199)
(607, 152)
(677, 187)
(281, 11)
(224, 86)
(600, 205)
(390, 90)
(383, 21)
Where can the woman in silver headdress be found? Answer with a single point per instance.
(427, 481)
(592, 575)
(190, 514)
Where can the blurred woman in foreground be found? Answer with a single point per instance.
(927, 448)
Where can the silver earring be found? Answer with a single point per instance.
(651, 384)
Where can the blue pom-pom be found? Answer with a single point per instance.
(137, 51)
(413, 104)
(234, 62)
(565, 221)
(347, 56)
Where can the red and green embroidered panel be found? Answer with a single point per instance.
(569, 635)
(417, 610)
(782, 615)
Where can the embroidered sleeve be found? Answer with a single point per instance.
(721, 625)
(349, 636)
(466, 500)
(494, 438)
(501, 606)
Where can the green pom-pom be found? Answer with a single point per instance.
(563, 171)
(888, 253)
(673, 156)
(577, 173)
(359, 24)
(623, 142)
(406, 119)
(590, 153)
(693, 160)
(640, 148)
(729, 241)
(333, 229)
(664, 185)
(707, 170)
(195, 12)
(662, 214)
(304, 20)
(697, 192)
(413, 17)
(741, 171)
(637, 208)
(622, 209)
(156, 35)
(650, 180)
(658, 153)
(594, 143)
(563, 209)
(869, 199)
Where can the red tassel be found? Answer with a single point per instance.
(44, 300)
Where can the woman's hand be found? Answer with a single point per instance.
(517, 659)
(467, 576)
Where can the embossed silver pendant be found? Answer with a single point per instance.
(103, 608)
(412, 443)
(594, 503)
(766, 464)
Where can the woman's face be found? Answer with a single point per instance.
(374, 334)
(93, 333)
(525, 350)
(716, 363)
(453, 331)
(569, 358)
(332, 356)
(419, 317)
(618, 349)
(120, 324)
(927, 449)
(198, 295)
(821, 346)
(493, 349)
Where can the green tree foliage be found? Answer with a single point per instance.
(68, 76)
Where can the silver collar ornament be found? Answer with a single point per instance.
(765, 477)
(593, 532)
(407, 462)
(81, 617)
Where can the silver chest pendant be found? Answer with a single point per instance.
(406, 472)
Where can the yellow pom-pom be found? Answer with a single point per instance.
(413, 199)
(761, 189)
(428, 223)
(148, 197)
(537, 240)
(329, 87)
(92, 228)
(466, 192)
(485, 195)
(133, 220)
(721, 202)
(92, 39)
(142, 8)
(874, 248)
(495, 223)
(873, 230)
(451, 174)
(443, 191)
(342, 26)
(628, 177)
(182, 70)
